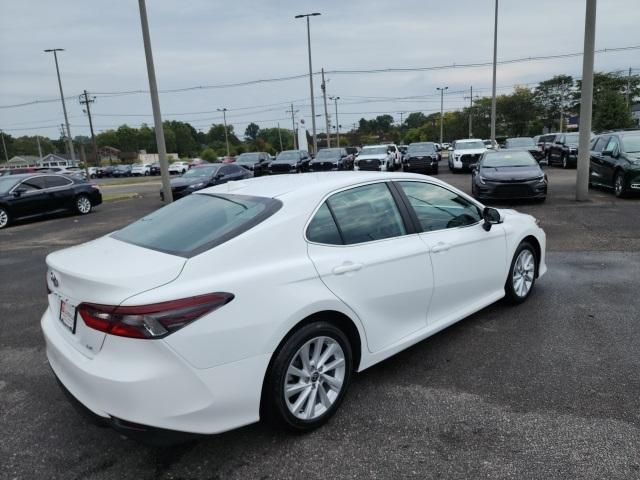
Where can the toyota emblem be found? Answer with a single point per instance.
(54, 279)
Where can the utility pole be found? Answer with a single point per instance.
(155, 103)
(493, 94)
(280, 136)
(335, 101)
(401, 115)
(629, 88)
(470, 97)
(326, 114)
(64, 137)
(4, 146)
(86, 102)
(313, 107)
(226, 137)
(442, 89)
(293, 124)
(561, 106)
(64, 106)
(586, 102)
(39, 149)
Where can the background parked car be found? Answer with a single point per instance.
(564, 150)
(615, 162)
(332, 159)
(197, 161)
(508, 175)
(526, 144)
(178, 167)
(28, 195)
(421, 157)
(154, 168)
(104, 172)
(545, 141)
(141, 169)
(228, 159)
(204, 176)
(121, 171)
(464, 153)
(290, 161)
(256, 162)
(377, 158)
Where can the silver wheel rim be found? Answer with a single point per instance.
(314, 378)
(564, 162)
(619, 184)
(523, 273)
(4, 218)
(84, 205)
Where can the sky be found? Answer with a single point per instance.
(212, 43)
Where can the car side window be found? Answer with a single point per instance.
(323, 229)
(366, 213)
(33, 184)
(612, 145)
(600, 143)
(225, 170)
(53, 182)
(438, 208)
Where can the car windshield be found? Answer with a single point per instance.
(328, 153)
(422, 148)
(469, 145)
(248, 158)
(631, 143)
(197, 223)
(6, 183)
(288, 156)
(374, 151)
(509, 159)
(207, 171)
(572, 138)
(520, 142)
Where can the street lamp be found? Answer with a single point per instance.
(335, 101)
(441, 90)
(64, 106)
(313, 107)
(226, 137)
(493, 94)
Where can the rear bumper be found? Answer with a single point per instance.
(144, 385)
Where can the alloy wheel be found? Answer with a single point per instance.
(619, 185)
(4, 218)
(523, 273)
(564, 162)
(84, 205)
(314, 378)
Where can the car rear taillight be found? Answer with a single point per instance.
(150, 321)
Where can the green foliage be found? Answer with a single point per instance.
(209, 155)
(612, 112)
(251, 132)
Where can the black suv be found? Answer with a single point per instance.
(564, 150)
(256, 162)
(290, 161)
(615, 162)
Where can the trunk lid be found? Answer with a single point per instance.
(105, 271)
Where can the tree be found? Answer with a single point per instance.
(612, 112)
(127, 138)
(209, 155)
(415, 120)
(251, 132)
(108, 138)
(554, 96)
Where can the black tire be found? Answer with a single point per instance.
(83, 204)
(619, 188)
(5, 218)
(565, 161)
(510, 293)
(435, 171)
(274, 408)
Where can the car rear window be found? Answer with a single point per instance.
(198, 223)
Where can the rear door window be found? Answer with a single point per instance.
(198, 223)
(55, 181)
(323, 228)
(33, 184)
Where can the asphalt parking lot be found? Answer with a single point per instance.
(549, 389)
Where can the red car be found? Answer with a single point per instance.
(228, 159)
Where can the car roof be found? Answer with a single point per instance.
(466, 140)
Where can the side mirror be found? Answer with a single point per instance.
(491, 216)
(19, 191)
(607, 153)
(219, 176)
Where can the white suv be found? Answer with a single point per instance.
(378, 158)
(464, 153)
(179, 167)
(141, 169)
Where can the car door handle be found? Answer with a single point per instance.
(440, 247)
(346, 267)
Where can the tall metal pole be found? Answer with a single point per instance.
(493, 89)
(39, 148)
(586, 102)
(293, 124)
(313, 107)
(326, 114)
(64, 106)
(442, 89)
(4, 146)
(561, 107)
(628, 95)
(87, 103)
(280, 136)
(335, 101)
(155, 104)
(226, 136)
(471, 113)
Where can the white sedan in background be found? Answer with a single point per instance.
(178, 322)
(178, 167)
(141, 169)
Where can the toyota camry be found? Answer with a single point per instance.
(178, 322)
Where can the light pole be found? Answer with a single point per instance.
(313, 107)
(586, 100)
(4, 146)
(442, 89)
(493, 94)
(335, 102)
(226, 137)
(64, 106)
(155, 105)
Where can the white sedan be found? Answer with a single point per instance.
(178, 167)
(181, 322)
